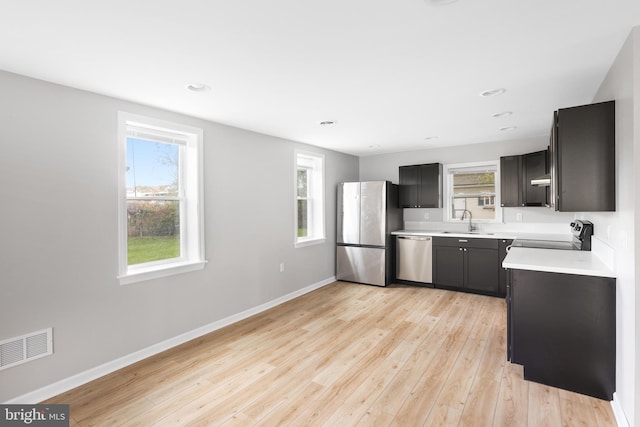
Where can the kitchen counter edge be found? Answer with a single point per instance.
(481, 235)
(585, 263)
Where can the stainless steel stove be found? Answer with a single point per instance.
(581, 232)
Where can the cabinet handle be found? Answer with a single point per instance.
(465, 249)
(462, 240)
(459, 249)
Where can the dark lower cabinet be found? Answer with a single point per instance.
(470, 264)
(449, 266)
(503, 244)
(482, 269)
(562, 330)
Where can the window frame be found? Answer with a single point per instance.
(192, 255)
(449, 170)
(315, 198)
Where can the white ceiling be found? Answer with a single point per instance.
(389, 72)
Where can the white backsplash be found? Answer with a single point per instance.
(520, 220)
(604, 252)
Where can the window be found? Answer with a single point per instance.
(473, 187)
(161, 212)
(487, 202)
(309, 194)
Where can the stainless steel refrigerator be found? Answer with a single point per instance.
(367, 214)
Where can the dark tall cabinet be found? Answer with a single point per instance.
(583, 158)
(421, 186)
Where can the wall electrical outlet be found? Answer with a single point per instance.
(426, 215)
(282, 267)
(519, 216)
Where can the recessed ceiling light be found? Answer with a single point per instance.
(197, 87)
(327, 123)
(374, 146)
(429, 138)
(493, 92)
(503, 114)
(508, 128)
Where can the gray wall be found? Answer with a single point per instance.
(621, 229)
(58, 228)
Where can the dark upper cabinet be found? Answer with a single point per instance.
(583, 158)
(516, 173)
(408, 195)
(421, 186)
(511, 181)
(534, 165)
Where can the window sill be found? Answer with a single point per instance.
(158, 271)
(309, 242)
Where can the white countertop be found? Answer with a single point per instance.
(483, 235)
(585, 263)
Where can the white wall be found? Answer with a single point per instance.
(385, 166)
(58, 231)
(621, 229)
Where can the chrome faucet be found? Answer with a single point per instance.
(471, 226)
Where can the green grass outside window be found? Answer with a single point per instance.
(152, 248)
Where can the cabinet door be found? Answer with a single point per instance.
(430, 186)
(511, 181)
(586, 158)
(482, 269)
(502, 286)
(534, 165)
(408, 195)
(564, 330)
(448, 266)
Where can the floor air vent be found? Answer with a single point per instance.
(28, 347)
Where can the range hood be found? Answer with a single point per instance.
(542, 181)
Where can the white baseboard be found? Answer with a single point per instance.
(621, 419)
(74, 381)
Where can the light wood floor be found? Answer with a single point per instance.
(346, 354)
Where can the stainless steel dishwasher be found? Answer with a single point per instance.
(413, 260)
